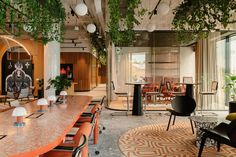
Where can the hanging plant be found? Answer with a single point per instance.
(41, 19)
(99, 46)
(127, 34)
(195, 19)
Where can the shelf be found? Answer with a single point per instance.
(161, 62)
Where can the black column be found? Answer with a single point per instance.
(189, 90)
(137, 101)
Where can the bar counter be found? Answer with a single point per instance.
(40, 133)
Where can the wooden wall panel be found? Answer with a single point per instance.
(103, 74)
(83, 69)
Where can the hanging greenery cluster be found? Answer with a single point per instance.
(99, 46)
(41, 19)
(116, 22)
(195, 19)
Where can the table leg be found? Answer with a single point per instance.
(189, 90)
(137, 101)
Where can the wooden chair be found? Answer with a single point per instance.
(213, 91)
(172, 92)
(73, 146)
(92, 118)
(182, 106)
(187, 79)
(123, 95)
(222, 134)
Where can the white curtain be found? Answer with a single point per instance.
(211, 68)
(121, 70)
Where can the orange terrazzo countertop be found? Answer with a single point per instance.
(41, 134)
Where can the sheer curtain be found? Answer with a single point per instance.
(211, 67)
(121, 70)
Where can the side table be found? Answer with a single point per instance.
(205, 122)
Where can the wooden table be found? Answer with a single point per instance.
(137, 100)
(41, 134)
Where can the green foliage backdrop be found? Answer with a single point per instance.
(41, 19)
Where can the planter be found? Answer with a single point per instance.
(40, 93)
(232, 106)
(57, 92)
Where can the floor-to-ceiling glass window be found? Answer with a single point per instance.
(137, 62)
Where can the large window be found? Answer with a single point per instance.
(232, 55)
(137, 66)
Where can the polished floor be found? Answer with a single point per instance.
(116, 126)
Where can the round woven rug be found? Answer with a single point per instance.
(154, 141)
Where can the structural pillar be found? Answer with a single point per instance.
(51, 65)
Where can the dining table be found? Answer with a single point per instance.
(42, 131)
(137, 108)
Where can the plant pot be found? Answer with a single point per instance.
(40, 93)
(58, 92)
(232, 106)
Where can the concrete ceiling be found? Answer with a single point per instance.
(79, 40)
(162, 22)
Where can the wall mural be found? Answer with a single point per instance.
(18, 75)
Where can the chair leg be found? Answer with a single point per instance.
(202, 145)
(169, 123)
(174, 120)
(218, 146)
(145, 107)
(192, 125)
(127, 105)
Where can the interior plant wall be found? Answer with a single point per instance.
(41, 19)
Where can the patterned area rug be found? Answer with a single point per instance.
(154, 140)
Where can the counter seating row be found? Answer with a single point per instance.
(76, 145)
(53, 135)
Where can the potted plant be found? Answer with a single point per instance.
(60, 83)
(40, 83)
(230, 87)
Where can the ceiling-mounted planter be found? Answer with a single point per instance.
(195, 19)
(43, 20)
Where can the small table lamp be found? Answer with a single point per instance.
(19, 113)
(63, 95)
(43, 103)
(51, 100)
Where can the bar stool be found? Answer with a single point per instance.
(213, 91)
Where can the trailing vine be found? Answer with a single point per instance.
(41, 19)
(127, 34)
(99, 46)
(195, 19)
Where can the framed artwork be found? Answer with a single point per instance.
(67, 70)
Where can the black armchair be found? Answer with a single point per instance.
(222, 134)
(182, 106)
